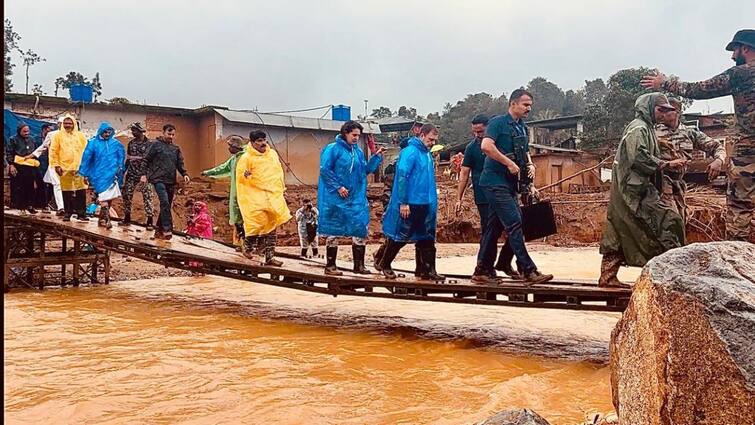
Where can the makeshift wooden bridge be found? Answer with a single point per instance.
(42, 250)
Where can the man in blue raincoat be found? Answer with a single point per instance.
(103, 165)
(413, 209)
(342, 195)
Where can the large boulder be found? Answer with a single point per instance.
(515, 417)
(684, 350)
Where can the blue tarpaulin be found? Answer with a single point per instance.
(11, 121)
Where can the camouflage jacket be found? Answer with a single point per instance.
(739, 82)
(676, 143)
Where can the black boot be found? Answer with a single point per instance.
(303, 253)
(357, 253)
(420, 268)
(126, 219)
(315, 253)
(331, 253)
(428, 259)
(150, 226)
(391, 250)
(377, 257)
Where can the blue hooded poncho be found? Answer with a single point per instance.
(343, 165)
(103, 160)
(413, 185)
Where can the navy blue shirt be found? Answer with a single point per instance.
(474, 159)
(503, 129)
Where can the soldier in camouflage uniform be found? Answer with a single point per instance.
(739, 82)
(677, 141)
(135, 169)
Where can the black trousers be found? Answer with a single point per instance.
(165, 193)
(75, 202)
(43, 190)
(23, 192)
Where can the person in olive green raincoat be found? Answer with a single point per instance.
(639, 227)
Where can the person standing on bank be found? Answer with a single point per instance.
(162, 160)
(260, 184)
(499, 182)
(102, 164)
(66, 148)
(739, 82)
(236, 146)
(473, 163)
(413, 210)
(342, 195)
(22, 170)
(306, 220)
(136, 168)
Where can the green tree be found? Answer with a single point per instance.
(382, 112)
(118, 101)
(96, 86)
(68, 80)
(11, 44)
(30, 59)
(547, 96)
(574, 102)
(456, 119)
(408, 113)
(37, 90)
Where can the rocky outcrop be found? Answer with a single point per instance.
(684, 350)
(515, 417)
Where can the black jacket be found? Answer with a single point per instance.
(162, 160)
(20, 146)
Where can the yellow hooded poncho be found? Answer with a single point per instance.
(66, 149)
(260, 196)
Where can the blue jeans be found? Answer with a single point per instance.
(506, 255)
(503, 214)
(164, 193)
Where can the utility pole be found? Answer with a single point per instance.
(365, 109)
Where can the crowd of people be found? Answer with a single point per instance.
(646, 212)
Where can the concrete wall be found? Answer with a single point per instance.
(550, 166)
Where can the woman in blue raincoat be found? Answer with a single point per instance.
(412, 213)
(102, 164)
(342, 195)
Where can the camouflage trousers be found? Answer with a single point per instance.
(262, 245)
(672, 196)
(740, 195)
(131, 185)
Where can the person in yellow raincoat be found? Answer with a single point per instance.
(259, 193)
(66, 149)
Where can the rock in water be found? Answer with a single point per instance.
(684, 350)
(515, 417)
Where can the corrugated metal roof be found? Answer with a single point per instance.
(275, 120)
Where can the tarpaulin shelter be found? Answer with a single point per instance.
(11, 121)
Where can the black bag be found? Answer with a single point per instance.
(538, 220)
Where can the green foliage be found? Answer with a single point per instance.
(382, 112)
(74, 77)
(10, 44)
(96, 86)
(455, 121)
(574, 102)
(118, 101)
(37, 90)
(30, 59)
(547, 96)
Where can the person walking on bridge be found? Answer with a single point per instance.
(50, 178)
(342, 196)
(413, 209)
(236, 146)
(738, 82)
(163, 159)
(639, 225)
(22, 170)
(260, 184)
(66, 148)
(136, 167)
(103, 165)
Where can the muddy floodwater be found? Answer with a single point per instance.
(209, 350)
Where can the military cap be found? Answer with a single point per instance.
(746, 37)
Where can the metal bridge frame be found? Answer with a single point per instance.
(301, 275)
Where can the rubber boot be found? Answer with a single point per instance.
(269, 241)
(609, 270)
(357, 253)
(303, 253)
(428, 260)
(315, 253)
(126, 220)
(378, 256)
(391, 250)
(331, 253)
(150, 226)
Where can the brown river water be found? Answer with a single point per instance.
(209, 350)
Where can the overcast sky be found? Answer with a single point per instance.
(281, 55)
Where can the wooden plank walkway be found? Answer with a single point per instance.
(307, 275)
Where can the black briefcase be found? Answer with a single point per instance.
(538, 220)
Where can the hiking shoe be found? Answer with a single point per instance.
(388, 273)
(484, 279)
(273, 262)
(510, 272)
(534, 277)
